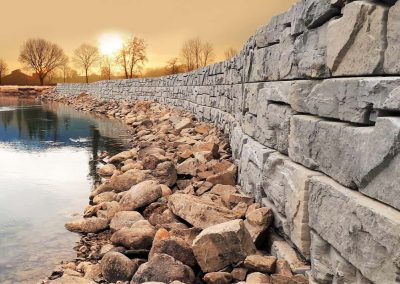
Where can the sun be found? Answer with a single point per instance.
(110, 43)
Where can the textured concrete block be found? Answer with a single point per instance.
(365, 232)
(286, 185)
(366, 158)
(362, 28)
(392, 54)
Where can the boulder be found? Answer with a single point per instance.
(107, 170)
(120, 157)
(198, 212)
(124, 219)
(239, 273)
(104, 197)
(218, 278)
(183, 123)
(122, 182)
(188, 167)
(141, 195)
(117, 267)
(227, 177)
(92, 271)
(258, 278)
(392, 55)
(165, 173)
(163, 268)
(260, 263)
(258, 222)
(140, 236)
(175, 247)
(87, 225)
(221, 245)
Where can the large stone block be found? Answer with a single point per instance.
(366, 158)
(361, 28)
(364, 232)
(286, 186)
(392, 55)
(348, 99)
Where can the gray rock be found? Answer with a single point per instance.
(362, 27)
(392, 54)
(363, 231)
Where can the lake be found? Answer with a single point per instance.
(48, 160)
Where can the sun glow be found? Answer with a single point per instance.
(110, 43)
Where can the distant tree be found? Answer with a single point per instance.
(195, 53)
(42, 57)
(230, 52)
(132, 56)
(85, 57)
(65, 69)
(105, 68)
(3, 69)
(173, 66)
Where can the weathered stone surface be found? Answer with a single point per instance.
(218, 278)
(260, 263)
(106, 170)
(140, 236)
(120, 157)
(104, 197)
(163, 268)
(122, 182)
(363, 157)
(199, 212)
(141, 195)
(257, 223)
(175, 247)
(87, 225)
(258, 278)
(285, 184)
(165, 173)
(72, 280)
(188, 167)
(117, 267)
(362, 27)
(222, 245)
(124, 219)
(364, 231)
(392, 54)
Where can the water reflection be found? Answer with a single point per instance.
(48, 160)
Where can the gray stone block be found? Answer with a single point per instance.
(392, 54)
(364, 232)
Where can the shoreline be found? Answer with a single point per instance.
(162, 204)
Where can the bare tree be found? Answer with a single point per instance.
(3, 69)
(230, 52)
(42, 57)
(105, 68)
(196, 53)
(132, 56)
(85, 56)
(65, 70)
(173, 66)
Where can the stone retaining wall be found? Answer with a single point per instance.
(312, 106)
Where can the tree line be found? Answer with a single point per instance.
(45, 59)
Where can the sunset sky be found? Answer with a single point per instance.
(165, 24)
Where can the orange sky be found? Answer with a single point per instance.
(165, 24)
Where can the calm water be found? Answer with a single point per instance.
(48, 165)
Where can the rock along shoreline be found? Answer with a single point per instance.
(169, 209)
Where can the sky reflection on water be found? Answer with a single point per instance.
(48, 165)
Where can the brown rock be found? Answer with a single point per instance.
(163, 268)
(149, 151)
(198, 212)
(165, 173)
(72, 280)
(283, 268)
(183, 123)
(258, 278)
(117, 267)
(166, 191)
(218, 278)
(108, 210)
(257, 223)
(239, 273)
(140, 236)
(221, 166)
(107, 170)
(87, 225)
(188, 167)
(220, 189)
(141, 195)
(93, 271)
(210, 148)
(202, 187)
(104, 197)
(202, 128)
(175, 247)
(227, 177)
(124, 219)
(221, 245)
(233, 199)
(260, 263)
(282, 279)
(121, 157)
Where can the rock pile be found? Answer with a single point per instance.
(169, 210)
